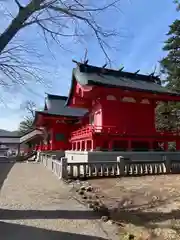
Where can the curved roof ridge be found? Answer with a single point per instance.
(54, 96)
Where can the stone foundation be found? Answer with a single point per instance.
(98, 156)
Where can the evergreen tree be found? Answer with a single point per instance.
(168, 117)
(171, 63)
(26, 125)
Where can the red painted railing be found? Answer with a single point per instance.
(45, 147)
(88, 130)
(83, 131)
(170, 133)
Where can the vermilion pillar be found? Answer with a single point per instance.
(178, 145)
(85, 145)
(92, 145)
(129, 145)
(151, 147)
(110, 145)
(166, 146)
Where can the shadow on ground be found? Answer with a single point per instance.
(4, 170)
(9, 231)
(137, 217)
(157, 223)
(7, 214)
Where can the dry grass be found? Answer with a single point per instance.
(148, 207)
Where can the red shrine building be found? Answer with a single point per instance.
(106, 110)
(57, 121)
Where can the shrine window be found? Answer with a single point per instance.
(59, 137)
(145, 101)
(128, 99)
(111, 98)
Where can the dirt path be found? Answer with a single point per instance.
(148, 206)
(34, 204)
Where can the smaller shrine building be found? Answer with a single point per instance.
(57, 121)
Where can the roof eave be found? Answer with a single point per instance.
(100, 70)
(10, 136)
(33, 129)
(91, 82)
(53, 96)
(57, 115)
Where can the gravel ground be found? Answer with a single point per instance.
(34, 204)
(148, 204)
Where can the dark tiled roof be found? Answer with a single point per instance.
(56, 97)
(56, 106)
(90, 75)
(9, 134)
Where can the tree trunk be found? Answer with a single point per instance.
(15, 26)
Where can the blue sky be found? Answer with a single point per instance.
(142, 24)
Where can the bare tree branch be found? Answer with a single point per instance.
(56, 19)
(18, 3)
(30, 107)
(62, 10)
(27, 124)
(17, 67)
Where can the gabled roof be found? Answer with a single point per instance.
(9, 134)
(91, 75)
(30, 135)
(56, 105)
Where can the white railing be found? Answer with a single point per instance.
(99, 169)
(58, 167)
(122, 167)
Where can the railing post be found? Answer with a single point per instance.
(53, 158)
(167, 162)
(39, 157)
(121, 162)
(64, 171)
(45, 159)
